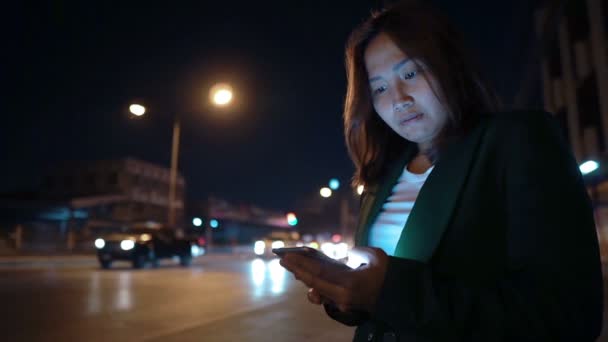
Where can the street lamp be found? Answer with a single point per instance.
(360, 189)
(589, 166)
(325, 192)
(137, 109)
(221, 95)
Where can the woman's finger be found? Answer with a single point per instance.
(314, 297)
(314, 267)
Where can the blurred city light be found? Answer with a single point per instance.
(259, 247)
(124, 297)
(127, 244)
(277, 276)
(278, 244)
(214, 223)
(137, 109)
(328, 249)
(221, 94)
(222, 97)
(335, 251)
(100, 243)
(588, 167)
(336, 238)
(356, 259)
(341, 250)
(360, 189)
(197, 222)
(334, 184)
(292, 220)
(258, 272)
(314, 245)
(325, 192)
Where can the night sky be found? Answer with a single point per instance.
(73, 68)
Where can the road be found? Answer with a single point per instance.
(219, 298)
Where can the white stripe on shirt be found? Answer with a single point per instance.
(391, 220)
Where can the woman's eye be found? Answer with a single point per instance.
(409, 75)
(379, 90)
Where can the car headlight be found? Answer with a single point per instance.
(100, 243)
(259, 247)
(341, 250)
(127, 245)
(313, 244)
(278, 244)
(328, 248)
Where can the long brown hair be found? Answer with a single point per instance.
(425, 35)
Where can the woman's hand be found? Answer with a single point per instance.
(348, 289)
(350, 318)
(315, 297)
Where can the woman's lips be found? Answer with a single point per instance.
(410, 120)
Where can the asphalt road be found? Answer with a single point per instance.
(219, 298)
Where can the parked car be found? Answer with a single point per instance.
(143, 245)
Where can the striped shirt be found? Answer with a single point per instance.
(389, 224)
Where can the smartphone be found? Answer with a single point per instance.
(310, 253)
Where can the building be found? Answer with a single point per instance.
(574, 69)
(574, 73)
(79, 200)
(138, 190)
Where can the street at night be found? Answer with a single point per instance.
(437, 170)
(219, 298)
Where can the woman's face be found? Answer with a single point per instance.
(401, 95)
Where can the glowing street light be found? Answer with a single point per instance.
(325, 192)
(137, 109)
(214, 223)
(221, 94)
(334, 184)
(197, 222)
(588, 167)
(292, 220)
(360, 189)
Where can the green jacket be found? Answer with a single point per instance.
(500, 245)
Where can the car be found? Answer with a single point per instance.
(142, 245)
(263, 247)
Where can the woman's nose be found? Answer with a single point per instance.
(403, 104)
(402, 100)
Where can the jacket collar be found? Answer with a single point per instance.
(435, 203)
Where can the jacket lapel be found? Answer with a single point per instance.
(437, 199)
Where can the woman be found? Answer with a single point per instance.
(500, 244)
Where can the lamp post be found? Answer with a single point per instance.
(220, 95)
